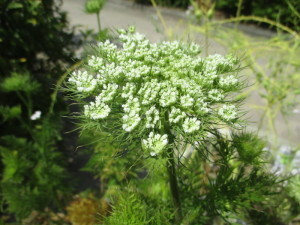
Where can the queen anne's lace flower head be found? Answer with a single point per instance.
(228, 112)
(155, 143)
(154, 90)
(83, 81)
(191, 125)
(96, 110)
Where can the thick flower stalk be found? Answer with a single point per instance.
(155, 93)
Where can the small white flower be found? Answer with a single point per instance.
(213, 61)
(176, 115)
(36, 115)
(152, 116)
(128, 90)
(95, 62)
(168, 96)
(83, 81)
(186, 101)
(149, 92)
(228, 81)
(108, 93)
(194, 48)
(155, 143)
(130, 121)
(107, 48)
(191, 125)
(96, 110)
(132, 105)
(228, 112)
(202, 106)
(215, 95)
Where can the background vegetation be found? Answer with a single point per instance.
(40, 182)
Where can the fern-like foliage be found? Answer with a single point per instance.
(32, 177)
(132, 208)
(230, 181)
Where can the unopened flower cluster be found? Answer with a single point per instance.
(146, 86)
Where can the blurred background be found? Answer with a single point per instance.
(52, 175)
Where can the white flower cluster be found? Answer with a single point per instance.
(152, 116)
(186, 101)
(108, 49)
(97, 110)
(228, 112)
(168, 96)
(228, 81)
(141, 82)
(176, 115)
(83, 81)
(95, 62)
(191, 125)
(108, 92)
(149, 92)
(202, 106)
(215, 95)
(155, 143)
(213, 64)
(131, 116)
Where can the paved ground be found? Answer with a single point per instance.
(120, 14)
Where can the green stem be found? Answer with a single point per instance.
(171, 168)
(98, 21)
(174, 185)
(59, 84)
(206, 35)
(238, 13)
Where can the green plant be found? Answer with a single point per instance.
(286, 12)
(38, 38)
(107, 161)
(173, 3)
(36, 45)
(275, 76)
(94, 7)
(32, 178)
(130, 207)
(159, 101)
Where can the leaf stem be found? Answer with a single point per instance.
(98, 21)
(171, 168)
(174, 185)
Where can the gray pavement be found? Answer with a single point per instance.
(120, 14)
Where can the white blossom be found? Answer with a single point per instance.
(155, 143)
(213, 61)
(149, 92)
(130, 121)
(83, 81)
(128, 90)
(141, 81)
(228, 112)
(108, 92)
(176, 115)
(228, 81)
(186, 101)
(107, 48)
(168, 96)
(96, 110)
(191, 125)
(152, 116)
(202, 106)
(36, 115)
(215, 95)
(132, 105)
(95, 62)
